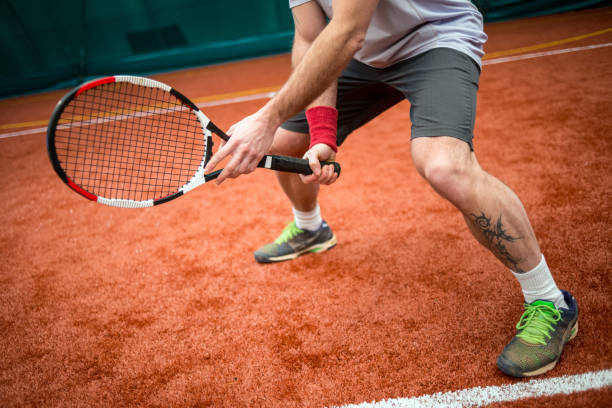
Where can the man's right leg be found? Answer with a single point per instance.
(307, 232)
(361, 97)
(303, 197)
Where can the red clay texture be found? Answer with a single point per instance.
(165, 307)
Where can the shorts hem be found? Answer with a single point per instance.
(437, 132)
(294, 127)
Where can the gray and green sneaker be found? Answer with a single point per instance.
(294, 242)
(542, 333)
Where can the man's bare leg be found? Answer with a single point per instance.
(308, 233)
(303, 197)
(493, 213)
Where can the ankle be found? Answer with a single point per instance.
(538, 284)
(308, 220)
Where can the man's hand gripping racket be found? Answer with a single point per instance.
(134, 142)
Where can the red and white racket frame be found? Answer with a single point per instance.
(274, 162)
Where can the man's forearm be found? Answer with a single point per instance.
(300, 47)
(330, 52)
(319, 67)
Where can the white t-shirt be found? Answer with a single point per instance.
(401, 29)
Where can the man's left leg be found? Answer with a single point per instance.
(492, 211)
(497, 219)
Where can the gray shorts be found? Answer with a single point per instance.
(440, 84)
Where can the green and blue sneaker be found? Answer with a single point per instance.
(542, 333)
(294, 242)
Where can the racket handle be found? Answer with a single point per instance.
(292, 164)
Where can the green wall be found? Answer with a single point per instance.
(499, 10)
(49, 43)
(46, 44)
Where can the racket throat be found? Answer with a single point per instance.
(209, 147)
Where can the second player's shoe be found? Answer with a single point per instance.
(294, 242)
(542, 333)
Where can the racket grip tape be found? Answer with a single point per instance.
(292, 164)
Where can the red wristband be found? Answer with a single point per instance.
(323, 124)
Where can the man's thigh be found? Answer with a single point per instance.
(441, 85)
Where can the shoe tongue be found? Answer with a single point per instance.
(543, 303)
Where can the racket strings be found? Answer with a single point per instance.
(129, 142)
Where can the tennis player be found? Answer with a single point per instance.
(352, 61)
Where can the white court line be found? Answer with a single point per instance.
(542, 54)
(270, 94)
(480, 396)
(199, 105)
(236, 100)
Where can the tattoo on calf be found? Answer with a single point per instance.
(497, 239)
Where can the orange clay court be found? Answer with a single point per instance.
(165, 307)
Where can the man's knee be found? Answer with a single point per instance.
(448, 166)
(289, 143)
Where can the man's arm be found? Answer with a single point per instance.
(325, 59)
(309, 20)
(321, 64)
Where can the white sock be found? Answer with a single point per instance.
(310, 220)
(538, 283)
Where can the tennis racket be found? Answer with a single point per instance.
(133, 142)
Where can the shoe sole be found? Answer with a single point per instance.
(323, 246)
(547, 367)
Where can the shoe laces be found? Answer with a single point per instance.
(289, 232)
(537, 322)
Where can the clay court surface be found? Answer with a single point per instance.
(165, 307)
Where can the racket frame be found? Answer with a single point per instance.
(274, 162)
(198, 178)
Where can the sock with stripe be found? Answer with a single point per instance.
(310, 220)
